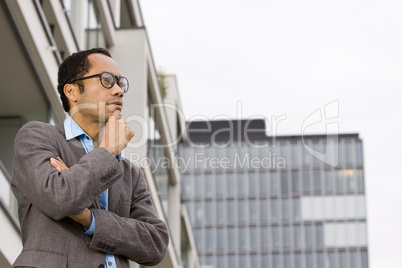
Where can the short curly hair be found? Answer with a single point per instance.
(73, 67)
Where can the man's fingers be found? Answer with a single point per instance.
(116, 134)
(130, 134)
(58, 164)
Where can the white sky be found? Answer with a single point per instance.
(290, 58)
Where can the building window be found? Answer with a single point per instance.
(342, 258)
(186, 185)
(210, 242)
(297, 237)
(242, 211)
(209, 185)
(319, 235)
(306, 181)
(275, 238)
(287, 260)
(263, 210)
(265, 260)
(317, 181)
(209, 211)
(329, 181)
(309, 259)
(220, 238)
(284, 182)
(331, 259)
(220, 260)
(308, 236)
(220, 211)
(231, 238)
(199, 184)
(285, 209)
(199, 239)
(353, 258)
(299, 260)
(219, 184)
(94, 33)
(273, 183)
(199, 212)
(320, 260)
(252, 183)
(286, 238)
(360, 180)
(230, 184)
(232, 261)
(241, 184)
(359, 153)
(296, 210)
(274, 210)
(230, 211)
(254, 245)
(243, 260)
(295, 182)
(252, 205)
(264, 238)
(243, 241)
(276, 261)
(364, 258)
(262, 183)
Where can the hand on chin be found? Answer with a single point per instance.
(117, 113)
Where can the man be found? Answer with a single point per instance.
(79, 203)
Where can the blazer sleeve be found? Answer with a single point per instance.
(142, 237)
(58, 194)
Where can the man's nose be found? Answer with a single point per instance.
(116, 90)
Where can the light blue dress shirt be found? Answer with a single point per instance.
(73, 130)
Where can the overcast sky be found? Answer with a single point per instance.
(288, 59)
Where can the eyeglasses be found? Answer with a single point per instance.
(107, 80)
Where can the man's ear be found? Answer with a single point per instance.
(72, 92)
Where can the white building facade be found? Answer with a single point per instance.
(37, 36)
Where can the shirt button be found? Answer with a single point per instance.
(110, 263)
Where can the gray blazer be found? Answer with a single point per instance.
(130, 229)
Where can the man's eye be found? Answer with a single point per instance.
(107, 80)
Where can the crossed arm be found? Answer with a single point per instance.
(145, 251)
(112, 142)
(85, 217)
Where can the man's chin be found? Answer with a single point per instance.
(116, 113)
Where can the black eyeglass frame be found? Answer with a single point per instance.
(100, 78)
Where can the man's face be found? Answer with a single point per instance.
(98, 103)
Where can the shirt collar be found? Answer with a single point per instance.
(72, 129)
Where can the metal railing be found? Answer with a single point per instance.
(7, 199)
(48, 31)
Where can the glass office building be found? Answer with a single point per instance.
(284, 201)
